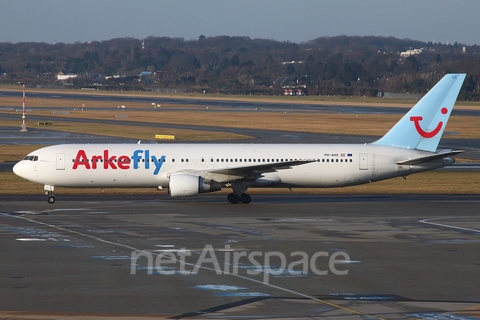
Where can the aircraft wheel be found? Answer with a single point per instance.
(51, 199)
(233, 198)
(245, 198)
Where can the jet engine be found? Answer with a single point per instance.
(185, 185)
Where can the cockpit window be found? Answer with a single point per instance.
(31, 158)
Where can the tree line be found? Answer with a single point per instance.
(340, 65)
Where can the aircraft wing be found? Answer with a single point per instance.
(248, 172)
(434, 156)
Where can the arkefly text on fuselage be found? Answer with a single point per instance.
(189, 169)
(121, 162)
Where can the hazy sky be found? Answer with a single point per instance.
(297, 21)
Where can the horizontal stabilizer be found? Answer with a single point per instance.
(429, 158)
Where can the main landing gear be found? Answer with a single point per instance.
(238, 195)
(234, 198)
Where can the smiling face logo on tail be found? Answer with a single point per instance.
(416, 120)
(422, 127)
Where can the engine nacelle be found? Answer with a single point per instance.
(187, 185)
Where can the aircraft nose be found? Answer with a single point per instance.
(18, 169)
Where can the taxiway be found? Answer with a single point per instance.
(408, 256)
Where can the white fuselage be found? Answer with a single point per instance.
(189, 169)
(150, 165)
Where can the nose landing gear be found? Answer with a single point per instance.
(51, 198)
(49, 193)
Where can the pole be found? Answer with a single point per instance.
(24, 125)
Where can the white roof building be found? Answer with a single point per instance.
(62, 76)
(408, 53)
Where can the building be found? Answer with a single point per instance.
(62, 76)
(294, 90)
(408, 53)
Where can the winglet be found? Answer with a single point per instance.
(422, 127)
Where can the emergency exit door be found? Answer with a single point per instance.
(363, 161)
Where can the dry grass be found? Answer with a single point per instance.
(125, 131)
(319, 100)
(14, 153)
(440, 182)
(433, 182)
(331, 123)
(143, 133)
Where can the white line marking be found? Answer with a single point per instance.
(426, 221)
(337, 306)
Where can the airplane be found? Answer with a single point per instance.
(190, 169)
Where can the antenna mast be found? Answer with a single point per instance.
(24, 125)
